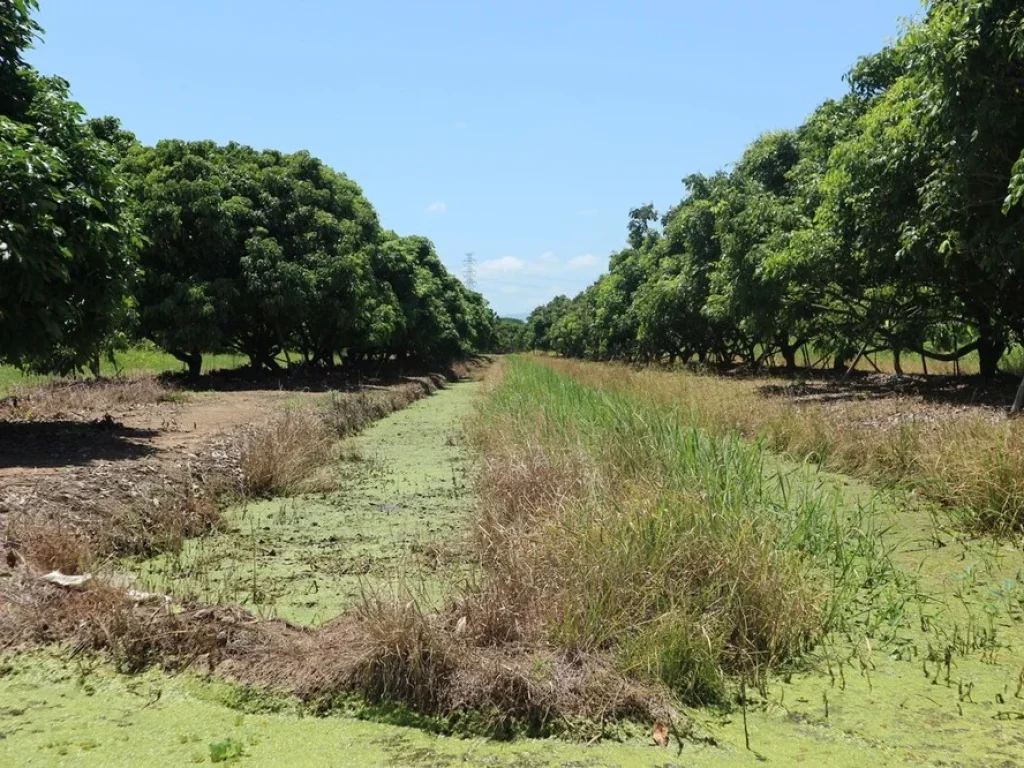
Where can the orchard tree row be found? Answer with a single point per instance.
(892, 219)
(197, 247)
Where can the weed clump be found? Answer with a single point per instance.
(284, 454)
(614, 526)
(292, 452)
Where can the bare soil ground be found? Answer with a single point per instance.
(117, 436)
(65, 453)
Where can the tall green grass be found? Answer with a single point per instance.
(616, 525)
(970, 462)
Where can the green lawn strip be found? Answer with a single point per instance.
(397, 516)
(130, 361)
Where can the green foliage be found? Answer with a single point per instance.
(259, 252)
(892, 219)
(237, 250)
(67, 241)
(510, 335)
(226, 750)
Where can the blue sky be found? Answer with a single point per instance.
(522, 132)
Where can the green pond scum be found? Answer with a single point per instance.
(929, 671)
(397, 516)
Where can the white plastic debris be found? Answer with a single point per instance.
(65, 580)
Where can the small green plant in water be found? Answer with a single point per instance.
(226, 750)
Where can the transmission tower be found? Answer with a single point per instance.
(469, 272)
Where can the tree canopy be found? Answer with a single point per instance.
(198, 247)
(66, 235)
(892, 219)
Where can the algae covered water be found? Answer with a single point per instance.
(397, 515)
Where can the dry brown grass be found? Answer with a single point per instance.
(103, 617)
(347, 414)
(59, 399)
(391, 653)
(292, 452)
(286, 454)
(73, 531)
(163, 522)
(47, 545)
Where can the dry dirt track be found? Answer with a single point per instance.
(91, 446)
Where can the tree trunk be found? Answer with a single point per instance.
(1018, 403)
(839, 364)
(194, 361)
(990, 352)
(789, 353)
(990, 347)
(897, 364)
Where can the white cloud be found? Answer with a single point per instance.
(586, 261)
(548, 257)
(506, 265)
(439, 207)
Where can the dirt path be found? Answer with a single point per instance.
(116, 436)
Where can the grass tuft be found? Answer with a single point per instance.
(286, 454)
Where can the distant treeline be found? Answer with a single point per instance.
(197, 247)
(892, 219)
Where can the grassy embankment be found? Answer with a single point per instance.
(971, 464)
(615, 525)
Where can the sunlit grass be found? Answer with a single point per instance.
(143, 359)
(970, 463)
(613, 524)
